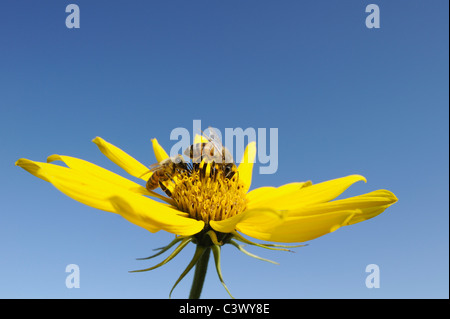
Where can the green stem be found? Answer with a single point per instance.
(199, 275)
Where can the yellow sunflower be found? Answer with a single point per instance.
(207, 205)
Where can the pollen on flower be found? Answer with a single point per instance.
(209, 191)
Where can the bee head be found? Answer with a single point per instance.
(178, 159)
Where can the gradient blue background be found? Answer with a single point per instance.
(346, 100)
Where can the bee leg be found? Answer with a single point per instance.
(228, 170)
(165, 189)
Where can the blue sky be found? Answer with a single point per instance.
(345, 99)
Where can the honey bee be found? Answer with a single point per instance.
(211, 152)
(164, 170)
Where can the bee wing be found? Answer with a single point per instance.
(189, 151)
(214, 139)
(224, 154)
(195, 150)
(154, 167)
(227, 157)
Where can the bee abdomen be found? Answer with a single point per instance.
(152, 183)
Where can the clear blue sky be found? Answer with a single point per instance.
(346, 100)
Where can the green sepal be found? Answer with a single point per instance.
(266, 246)
(180, 247)
(235, 244)
(246, 241)
(163, 249)
(216, 252)
(198, 253)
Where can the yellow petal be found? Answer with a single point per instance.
(122, 159)
(200, 139)
(142, 211)
(301, 229)
(259, 220)
(309, 222)
(245, 167)
(99, 172)
(270, 196)
(110, 197)
(370, 204)
(32, 168)
(301, 194)
(105, 175)
(160, 153)
(75, 184)
(377, 199)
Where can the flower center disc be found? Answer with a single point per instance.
(209, 191)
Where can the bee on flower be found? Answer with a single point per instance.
(207, 200)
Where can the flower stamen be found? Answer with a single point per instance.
(209, 191)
